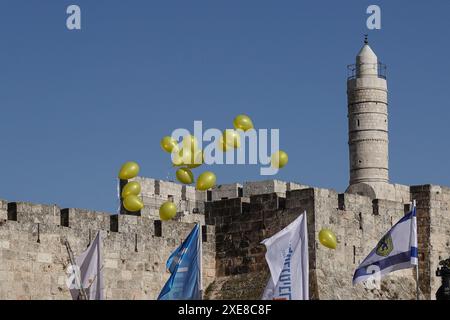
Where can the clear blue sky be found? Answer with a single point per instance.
(76, 105)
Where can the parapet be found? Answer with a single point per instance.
(42, 217)
(264, 187)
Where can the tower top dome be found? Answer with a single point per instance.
(366, 55)
(366, 61)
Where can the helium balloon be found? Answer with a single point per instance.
(167, 211)
(129, 170)
(243, 122)
(190, 142)
(130, 188)
(206, 181)
(223, 145)
(230, 139)
(279, 159)
(177, 158)
(182, 157)
(328, 238)
(133, 203)
(169, 144)
(184, 175)
(197, 160)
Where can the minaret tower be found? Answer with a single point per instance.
(368, 125)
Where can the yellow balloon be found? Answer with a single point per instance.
(130, 188)
(229, 139)
(184, 175)
(197, 160)
(169, 144)
(223, 145)
(206, 181)
(182, 157)
(328, 238)
(190, 142)
(167, 211)
(243, 122)
(177, 158)
(133, 203)
(279, 159)
(129, 170)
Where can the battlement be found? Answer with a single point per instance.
(51, 215)
(358, 221)
(191, 201)
(135, 249)
(235, 219)
(154, 192)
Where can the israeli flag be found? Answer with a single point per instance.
(395, 251)
(184, 265)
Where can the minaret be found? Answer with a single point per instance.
(368, 125)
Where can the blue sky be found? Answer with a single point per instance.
(75, 105)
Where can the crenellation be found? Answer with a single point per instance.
(226, 191)
(84, 219)
(298, 198)
(36, 213)
(147, 185)
(3, 210)
(169, 188)
(264, 187)
(33, 247)
(264, 202)
(291, 186)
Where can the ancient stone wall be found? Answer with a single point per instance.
(359, 222)
(34, 258)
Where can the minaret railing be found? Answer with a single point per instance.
(352, 70)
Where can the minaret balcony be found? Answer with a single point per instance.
(352, 69)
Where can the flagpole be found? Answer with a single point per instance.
(200, 244)
(417, 281)
(82, 292)
(417, 265)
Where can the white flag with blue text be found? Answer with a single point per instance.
(395, 251)
(287, 257)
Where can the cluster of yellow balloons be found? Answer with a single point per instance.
(327, 238)
(130, 192)
(188, 156)
(231, 139)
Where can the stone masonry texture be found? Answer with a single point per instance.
(34, 259)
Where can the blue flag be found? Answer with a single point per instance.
(185, 267)
(395, 251)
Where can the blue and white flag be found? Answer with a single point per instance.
(287, 257)
(184, 265)
(395, 251)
